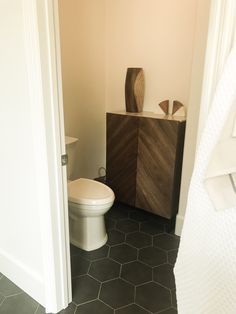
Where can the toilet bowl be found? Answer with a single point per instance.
(89, 200)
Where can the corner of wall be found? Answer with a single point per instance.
(194, 107)
(179, 224)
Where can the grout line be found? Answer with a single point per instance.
(13, 295)
(99, 291)
(144, 308)
(145, 283)
(130, 283)
(90, 264)
(106, 305)
(124, 306)
(76, 306)
(135, 293)
(3, 299)
(120, 271)
(108, 252)
(86, 302)
(36, 309)
(162, 311)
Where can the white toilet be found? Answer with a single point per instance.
(89, 200)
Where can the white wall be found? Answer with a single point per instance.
(194, 106)
(99, 40)
(20, 237)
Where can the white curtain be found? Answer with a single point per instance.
(205, 269)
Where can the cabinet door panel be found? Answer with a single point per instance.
(156, 165)
(122, 146)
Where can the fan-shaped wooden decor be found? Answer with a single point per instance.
(164, 105)
(176, 106)
(134, 90)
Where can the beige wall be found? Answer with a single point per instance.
(100, 39)
(82, 29)
(156, 35)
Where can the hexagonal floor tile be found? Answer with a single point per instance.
(138, 239)
(110, 223)
(94, 307)
(172, 255)
(74, 250)
(115, 237)
(104, 269)
(166, 241)
(140, 215)
(84, 289)
(8, 288)
(123, 253)
(152, 227)
(152, 256)
(127, 225)
(131, 309)
(136, 273)
(117, 213)
(79, 266)
(21, 303)
(153, 297)
(90, 255)
(164, 275)
(117, 293)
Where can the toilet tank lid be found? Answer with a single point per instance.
(89, 192)
(69, 140)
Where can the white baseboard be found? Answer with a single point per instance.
(21, 275)
(179, 224)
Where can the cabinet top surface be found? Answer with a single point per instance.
(149, 114)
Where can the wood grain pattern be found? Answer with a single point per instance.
(134, 90)
(164, 105)
(121, 164)
(176, 106)
(156, 178)
(144, 161)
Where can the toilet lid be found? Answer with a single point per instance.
(89, 192)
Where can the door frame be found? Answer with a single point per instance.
(45, 85)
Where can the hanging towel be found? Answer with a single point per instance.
(205, 270)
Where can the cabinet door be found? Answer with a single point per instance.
(157, 145)
(121, 164)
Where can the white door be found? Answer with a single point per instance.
(49, 42)
(34, 238)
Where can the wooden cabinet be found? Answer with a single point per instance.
(144, 160)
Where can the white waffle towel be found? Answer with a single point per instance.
(205, 270)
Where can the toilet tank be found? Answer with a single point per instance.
(70, 150)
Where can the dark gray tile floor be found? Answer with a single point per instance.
(131, 274)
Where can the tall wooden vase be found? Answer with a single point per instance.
(134, 90)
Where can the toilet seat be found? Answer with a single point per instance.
(89, 192)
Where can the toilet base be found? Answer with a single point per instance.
(88, 233)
